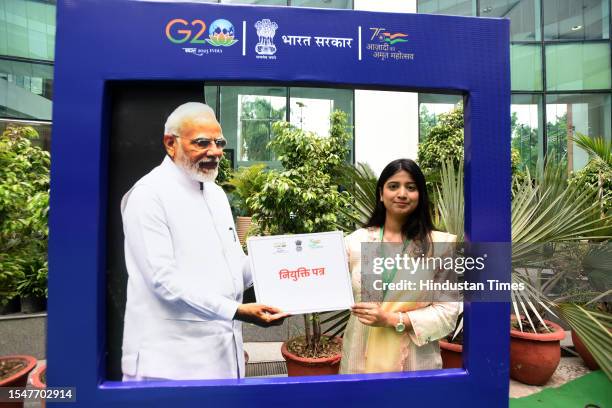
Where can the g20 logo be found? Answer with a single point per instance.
(185, 31)
(220, 34)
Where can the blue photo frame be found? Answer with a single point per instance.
(99, 41)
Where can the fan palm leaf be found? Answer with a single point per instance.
(593, 328)
(597, 147)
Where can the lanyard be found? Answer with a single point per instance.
(388, 276)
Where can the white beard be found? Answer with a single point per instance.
(195, 171)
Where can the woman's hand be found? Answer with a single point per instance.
(372, 314)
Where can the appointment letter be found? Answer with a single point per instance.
(301, 273)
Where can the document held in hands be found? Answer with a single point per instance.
(302, 273)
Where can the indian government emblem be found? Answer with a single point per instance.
(265, 31)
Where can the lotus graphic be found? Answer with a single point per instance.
(221, 33)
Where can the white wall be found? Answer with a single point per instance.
(386, 123)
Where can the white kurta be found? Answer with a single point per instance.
(187, 273)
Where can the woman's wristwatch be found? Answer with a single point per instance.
(400, 326)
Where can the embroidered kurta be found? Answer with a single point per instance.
(187, 273)
(415, 349)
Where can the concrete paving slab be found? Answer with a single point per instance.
(260, 351)
(569, 369)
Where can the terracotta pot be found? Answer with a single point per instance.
(18, 379)
(534, 357)
(242, 226)
(586, 355)
(37, 381)
(302, 366)
(452, 356)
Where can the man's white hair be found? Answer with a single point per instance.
(186, 111)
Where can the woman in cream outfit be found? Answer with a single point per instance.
(397, 335)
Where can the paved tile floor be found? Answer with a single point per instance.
(569, 369)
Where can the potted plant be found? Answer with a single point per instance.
(24, 207)
(245, 183)
(14, 372)
(303, 198)
(39, 380)
(534, 356)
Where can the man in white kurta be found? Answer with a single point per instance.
(186, 268)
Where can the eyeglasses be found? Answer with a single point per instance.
(203, 143)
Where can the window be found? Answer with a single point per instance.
(567, 115)
(247, 114)
(311, 107)
(527, 133)
(450, 7)
(256, 114)
(576, 19)
(431, 106)
(338, 4)
(526, 67)
(578, 66)
(27, 29)
(524, 16)
(26, 90)
(259, 2)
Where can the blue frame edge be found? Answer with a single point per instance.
(451, 54)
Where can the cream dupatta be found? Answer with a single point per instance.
(383, 342)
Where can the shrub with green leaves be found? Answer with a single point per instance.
(303, 197)
(24, 208)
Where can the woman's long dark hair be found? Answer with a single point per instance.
(418, 225)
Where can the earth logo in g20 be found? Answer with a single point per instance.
(221, 33)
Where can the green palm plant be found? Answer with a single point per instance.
(360, 182)
(600, 166)
(449, 204)
(598, 148)
(545, 209)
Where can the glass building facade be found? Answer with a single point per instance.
(27, 43)
(560, 68)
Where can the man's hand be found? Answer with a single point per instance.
(261, 315)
